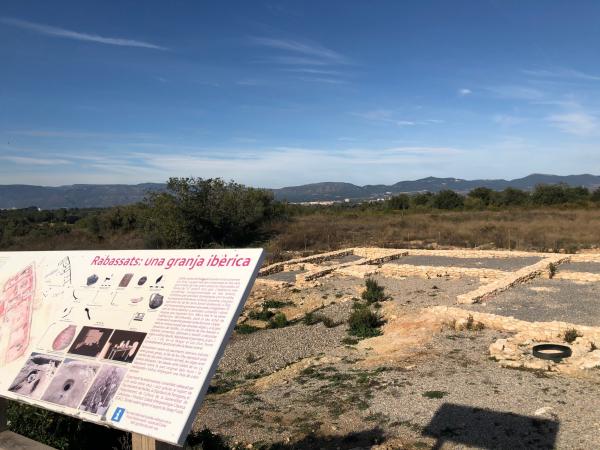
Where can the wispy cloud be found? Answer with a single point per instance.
(465, 91)
(73, 134)
(389, 116)
(265, 167)
(312, 50)
(579, 123)
(561, 73)
(25, 160)
(312, 71)
(508, 119)
(49, 30)
(516, 92)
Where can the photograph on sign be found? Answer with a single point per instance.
(128, 339)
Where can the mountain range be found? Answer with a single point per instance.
(105, 195)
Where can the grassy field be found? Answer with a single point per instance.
(550, 229)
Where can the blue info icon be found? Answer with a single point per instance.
(118, 414)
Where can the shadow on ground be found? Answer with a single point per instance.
(206, 440)
(359, 439)
(484, 428)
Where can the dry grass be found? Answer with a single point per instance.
(539, 230)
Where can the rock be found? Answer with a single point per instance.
(591, 360)
(538, 364)
(543, 411)
(497, 347)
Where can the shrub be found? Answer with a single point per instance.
(571, 334)
(364, 323)
(263, 314)
(244, 328)
(312, 318)
(374, 292)
(551, 270)
(448, 199)
(194, 213)
(278, 321)
(434, 394)
(275, 304)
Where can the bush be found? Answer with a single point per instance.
(571, 334)
(374, 292)
(312, 318)
(196, 213)
(244, 328)
(275, 304)
(279, 320)
(364, 323)
(61, 431)
(263, 314)
(551, 270)
(448, 199)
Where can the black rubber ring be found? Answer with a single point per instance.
(563, 351)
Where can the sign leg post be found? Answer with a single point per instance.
(141, 442)
(3, 414)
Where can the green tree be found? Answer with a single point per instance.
(511, 197)
(194, 212)
(400, 201)
(448, 199)
(483, 194)
(549, 194)
(422, 199)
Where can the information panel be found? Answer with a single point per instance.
(128, 339)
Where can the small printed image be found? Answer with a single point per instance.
(105, 386)
(142, 281)
(92, 279)
(35, 375)
(136, 299)
(124, 345)
(107, 281)
(64, 338)
(125, 280)
(139, 316)
(156, 301)
(90, 341)
(71, 382)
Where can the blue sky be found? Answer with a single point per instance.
(278, 93)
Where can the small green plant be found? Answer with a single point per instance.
(312, 318)
(279, 320)
(206, 439)
(551, 270)
(373, 292)
(263, 314)
(251, 357)
(349, 341)
(275, 304)
(571, 334)
(244, 328)
(434, 394)
(364, 323)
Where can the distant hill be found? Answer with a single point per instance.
(74, 196)
(340, 191)
(104, 195)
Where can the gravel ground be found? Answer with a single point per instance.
(416, 292)
(453, 392)
(592, 267)
(275, 349)
(543, 300)
(507, 264)
(343, 259)
(289, 276)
